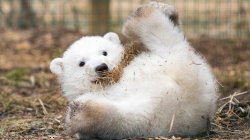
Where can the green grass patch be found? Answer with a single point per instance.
(17, 74)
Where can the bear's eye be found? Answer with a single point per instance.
(81, 64)
(104, 53)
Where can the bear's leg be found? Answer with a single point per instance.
(155, 25)
(107, 118)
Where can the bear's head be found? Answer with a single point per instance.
(85, 61)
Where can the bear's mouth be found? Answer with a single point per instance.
(101, 76)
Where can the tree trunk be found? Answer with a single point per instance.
(100, 16)
(1, 15)
(76, 18)
(27, 17)
(11, 19)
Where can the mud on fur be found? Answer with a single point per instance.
(132, 49)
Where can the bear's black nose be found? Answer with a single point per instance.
(101, 68)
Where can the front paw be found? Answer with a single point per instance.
(84, 117)
(169, 11)
(72, 116)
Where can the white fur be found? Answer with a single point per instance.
(77, 80)
(170, 81)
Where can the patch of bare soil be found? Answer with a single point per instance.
(31, 105)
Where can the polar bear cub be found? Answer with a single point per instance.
(168, 90)
(85, 61)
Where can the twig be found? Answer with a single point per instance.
(232, 100)
(234, 95)
(237, 115)
(222, 107)
(172, 123)
(219, 126)
(219, 83)
(43, 107)
(234, 132)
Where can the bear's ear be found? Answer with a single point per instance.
(56, 66)
(113, 37)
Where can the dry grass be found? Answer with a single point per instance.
(31, 106)
(230, 116)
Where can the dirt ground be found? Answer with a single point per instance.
(31, 105)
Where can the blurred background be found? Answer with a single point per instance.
(33, 32)
(220, 18)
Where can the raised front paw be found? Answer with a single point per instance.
(148, 16)
(169, 11)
